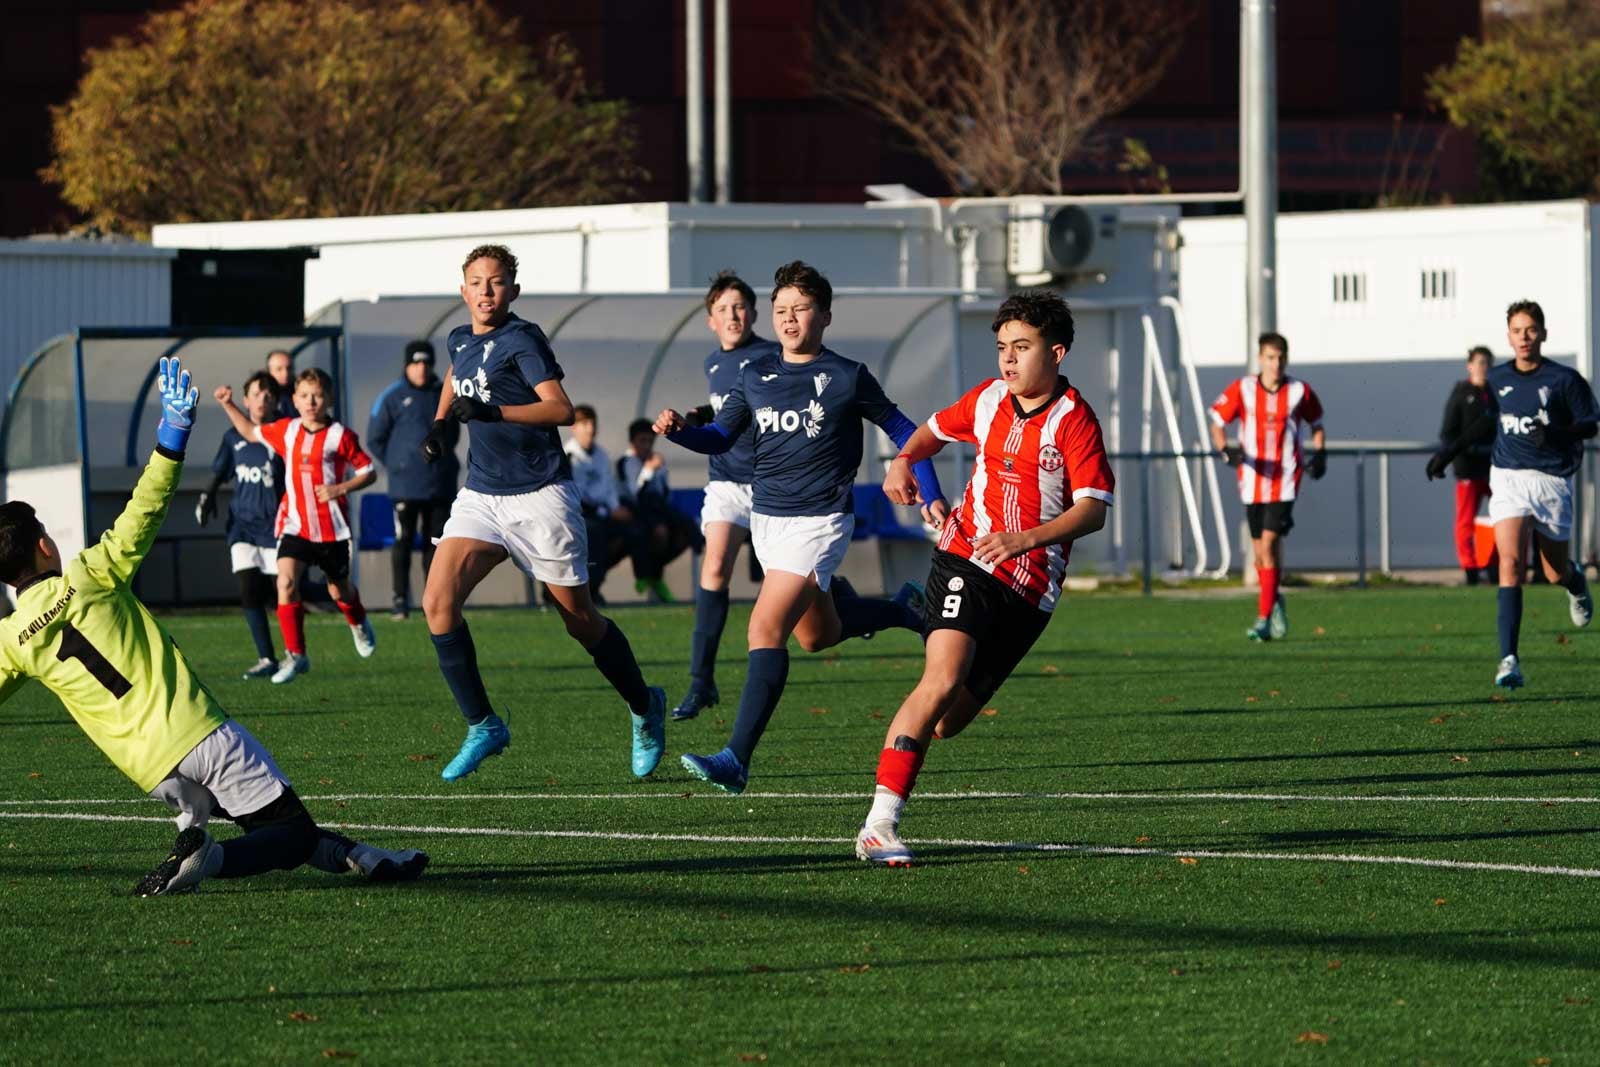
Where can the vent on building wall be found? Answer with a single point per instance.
(1438, 284)
(1350, 288)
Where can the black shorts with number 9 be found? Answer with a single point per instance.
(963, 596)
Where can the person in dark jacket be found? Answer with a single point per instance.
(421, 492)
(1468, 400)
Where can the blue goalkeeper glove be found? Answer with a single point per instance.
(178, 400)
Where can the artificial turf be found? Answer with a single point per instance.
(574, 915)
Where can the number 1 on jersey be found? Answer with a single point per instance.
(76, 646)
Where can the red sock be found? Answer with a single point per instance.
(897, 770)
(351, 606)
(1269, 590)
(292, 621)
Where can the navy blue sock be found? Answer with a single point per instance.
(864, 615)
(256, 619)
(279, 847)
(1574, 581)
(710, 616)
(763, 687)
(458, 662)
(1510, 618)
(614, 657)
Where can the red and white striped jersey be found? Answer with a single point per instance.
(1031, 467)
(326, 457)
(1269, 434)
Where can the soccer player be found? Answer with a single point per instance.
(806, 404)
(519, 502)
(252, 516)
(79, 630)
(1040, 483)
(1543, 413)
(1270, 407)
(1468, 401)
(324, 464)
(725, 514)
(402, 417)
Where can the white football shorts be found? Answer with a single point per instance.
(248, 557)
(541, 531)
(228, 773)
(1545, 498)
(802, 544)
(727, 502)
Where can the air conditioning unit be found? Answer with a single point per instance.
(1048, 242)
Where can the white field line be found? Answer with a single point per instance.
(997, 846)
(1314, 798)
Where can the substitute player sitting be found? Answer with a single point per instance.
(1270, 407)
(519, 503)
(79, 630)
(1543, 414)
(806, 404)
(323, 465)
(1041, 482)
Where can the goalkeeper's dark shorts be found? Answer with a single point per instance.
(1277, 516)
(963, 596)
(331, 557)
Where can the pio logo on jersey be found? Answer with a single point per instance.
(477, 385)
(243, 473)
(771, 420)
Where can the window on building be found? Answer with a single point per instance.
(1350, 288)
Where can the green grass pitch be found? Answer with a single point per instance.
(1342, 847)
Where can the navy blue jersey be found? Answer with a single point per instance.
(737, 464)
(1553, 394)
(807, 423)
(257, 474)
(502, 367)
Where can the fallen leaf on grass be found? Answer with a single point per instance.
(990, 712)
(1562, 639)
(1274, 693)
(1438, 720)
(1311, 1037)
(324, 781)
(1542, 1061)
(1577, 1001)
(1141, 839)
(1460, 759)
(1252, 700)
(1578, 754)
(422, 757)
(1320, 631)
(302, 1017)
(338, 1054)
(818, 711)
(1169, 700)
(758, 968)
(182, 941)
(1439, 902)
(855, 968)
(35, 774)
(1497, 698)
(1334, 965)
(1176, 972)
(1188, 861)
(875, 715)
(1050, 668)
(752, 1057)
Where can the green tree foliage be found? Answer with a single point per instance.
(1530, 93)
(266, 109)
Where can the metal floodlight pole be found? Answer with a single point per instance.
(1259, 113)
(694, 79)
(721, 102)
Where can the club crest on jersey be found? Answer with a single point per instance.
(1544, 396)
(488, 346)
(1050, 459)
(821, 381)
(713, 369)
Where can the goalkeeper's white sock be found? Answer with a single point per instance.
(886, 807)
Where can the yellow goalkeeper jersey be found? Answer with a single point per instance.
(89, 640)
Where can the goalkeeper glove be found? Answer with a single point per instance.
(178, 400)
(467, 408)
(433, 444)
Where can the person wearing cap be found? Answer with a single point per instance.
(421, 492)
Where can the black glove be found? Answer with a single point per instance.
(1544, 436)
(467, 408)
(1438, 463)
(703, 415)
(1317, 466)
(206, 509)
(433, 444)
(1232, 455)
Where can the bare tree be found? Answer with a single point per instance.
(1001, 94)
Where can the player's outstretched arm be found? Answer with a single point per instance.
(1086, 515)
(223, 394)
(711, 439)
(123, 547)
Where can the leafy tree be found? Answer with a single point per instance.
(1000, 94)
(1530, 93)
(265, 109)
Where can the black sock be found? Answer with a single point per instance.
(458, 662)
(763, 688)
(1574, 582)
(1509, 618)
(614, 658)
(278, 847)
(710, 617)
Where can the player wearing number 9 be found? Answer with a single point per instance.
(79, 630)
